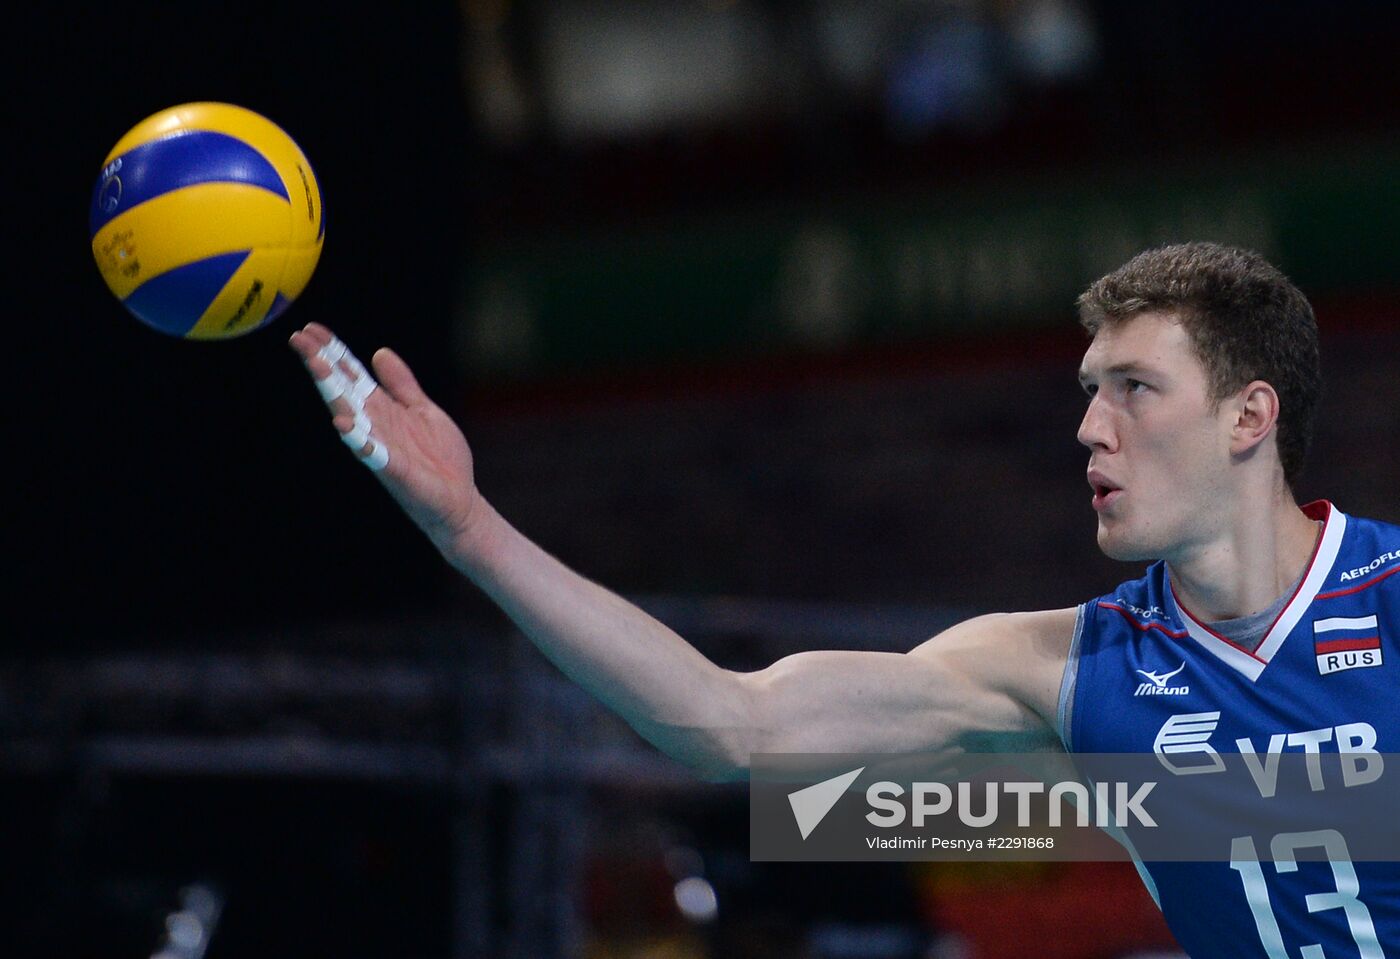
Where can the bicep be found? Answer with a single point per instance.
(959, 690)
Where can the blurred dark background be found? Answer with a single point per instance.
(758, 312)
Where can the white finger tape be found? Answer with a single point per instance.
(359, 433)
(378, 458)
(350, 379)
(333, 351)
(357, 369)
(333, 386)
(362, 388)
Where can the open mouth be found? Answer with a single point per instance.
(1105, 491)
(1105, 495)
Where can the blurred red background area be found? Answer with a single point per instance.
(1077, 910)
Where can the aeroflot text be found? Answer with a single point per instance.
(1113, 806)
(1372, 566)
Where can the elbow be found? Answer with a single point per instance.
(725, 762)
(712, 754)
(720, 747)
(732, 744)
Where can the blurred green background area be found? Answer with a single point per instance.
(859, 273)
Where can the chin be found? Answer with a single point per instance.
(1117, 545)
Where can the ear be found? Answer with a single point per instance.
(1256, 409)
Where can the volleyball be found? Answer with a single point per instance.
(206, 221)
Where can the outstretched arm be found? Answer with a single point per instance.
(993, 678)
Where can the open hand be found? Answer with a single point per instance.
(414, 447)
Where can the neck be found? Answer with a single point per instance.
(1261, 549)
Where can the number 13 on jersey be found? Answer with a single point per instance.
(1346, 894)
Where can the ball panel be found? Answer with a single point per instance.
(243, 303)
(183, 159)
(189, 224)
(280, 150)
(174, 301)
(300, 264)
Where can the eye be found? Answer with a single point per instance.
(1089, 389)
(1135, 386)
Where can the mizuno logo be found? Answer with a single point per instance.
(1161, 680)
(1156, 684)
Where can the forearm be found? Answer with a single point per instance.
(662, 686)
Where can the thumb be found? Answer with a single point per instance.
(395, 376)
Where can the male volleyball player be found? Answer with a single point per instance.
(1202, 377)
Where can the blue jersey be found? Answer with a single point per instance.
(1150, 677)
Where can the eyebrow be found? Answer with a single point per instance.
(1118, 369)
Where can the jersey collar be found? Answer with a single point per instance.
(1252, 663)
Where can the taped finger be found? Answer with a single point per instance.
(333, 386)
(377, 458)
(350, 382)
(359, 433)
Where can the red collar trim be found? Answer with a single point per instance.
(1252, 662)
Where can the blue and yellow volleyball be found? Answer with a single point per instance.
(206, 221)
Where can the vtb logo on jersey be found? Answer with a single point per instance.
(1347, 642)
(1183, 744)
(1156, 684)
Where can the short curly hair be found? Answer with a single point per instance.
(1246, 320)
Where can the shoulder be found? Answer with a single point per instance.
(1020, 654)
(1142, 603)
(1367, 556)
(1365, 530)
(1044, 632)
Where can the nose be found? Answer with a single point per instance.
(1096, 430)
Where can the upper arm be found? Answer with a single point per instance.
(990, 683)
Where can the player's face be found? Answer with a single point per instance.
(1159, 448)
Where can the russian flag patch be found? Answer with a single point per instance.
(1346, 642)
